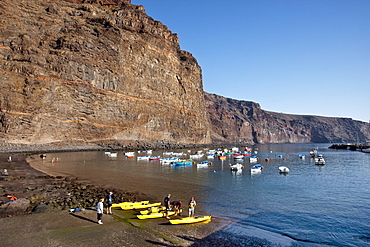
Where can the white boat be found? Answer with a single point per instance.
(366, 150)
(238, 157)
(112, 155)
(253, 159)
(196, 156)
(256, 168)
(302, 156)
(169, 160)
(210, 156)
(146, 157)
(319, 160)
(236, 167)
(283, 169)
(204, 164)
(130, 154)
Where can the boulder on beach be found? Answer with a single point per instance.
(15, 207)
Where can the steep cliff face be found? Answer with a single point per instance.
(238, 121)
(72, 71)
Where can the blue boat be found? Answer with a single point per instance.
(256, 168)
(188, 162)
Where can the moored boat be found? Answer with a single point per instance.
(319, 160)
(112, 155)
(155, 157)
(256, 168)
(187, 162)
(283, 169)
(222, 157)
(146, 157)
(190, 220)
(205, 163)
(253, 159)
(128, 207)
(236, 167)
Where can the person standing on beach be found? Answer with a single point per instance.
(99, 210)
(109, 199)
(192, 204)
(167, 204)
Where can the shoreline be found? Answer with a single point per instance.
(155, 232)
(26, 183)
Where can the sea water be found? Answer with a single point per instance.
(312, 205)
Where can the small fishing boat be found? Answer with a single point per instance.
(222, 157)
(236, 167)
(283, 169)
(155, 157)
(256, 168)
(210, 156)
(238, 157)
(247, 153)
(187, 162)
(112, 155)
(169, 160)
(128, 207)
(253, 159)
(196, 156)
(319, 160)
(190, 220)
(130, 154)
(146, 157)
(302, 156)
(205, 163)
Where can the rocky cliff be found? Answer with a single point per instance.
(80, 71)
(237, 121)
(101, 71)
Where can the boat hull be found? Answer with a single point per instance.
(190, 220)
(129, 207)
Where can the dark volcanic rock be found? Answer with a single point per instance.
(77, 72)
(237, 121)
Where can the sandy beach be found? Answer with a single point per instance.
(64, 228)
(60, 227)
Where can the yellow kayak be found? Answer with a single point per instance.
(157, 215)
(189, 220)
(128, 207)
(118, 205)
(153, 210)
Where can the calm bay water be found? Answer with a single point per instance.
(311, 206)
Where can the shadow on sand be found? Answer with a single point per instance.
(82, 217)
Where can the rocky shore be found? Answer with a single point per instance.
(43, 215)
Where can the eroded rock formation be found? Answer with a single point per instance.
(237, 121)
(72, 71)
(98, 71)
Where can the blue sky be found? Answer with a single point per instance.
(301, 57)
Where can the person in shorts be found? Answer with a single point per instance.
(167, 204)
(192, 204)
(109, 199)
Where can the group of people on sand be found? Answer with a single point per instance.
(176, 206)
